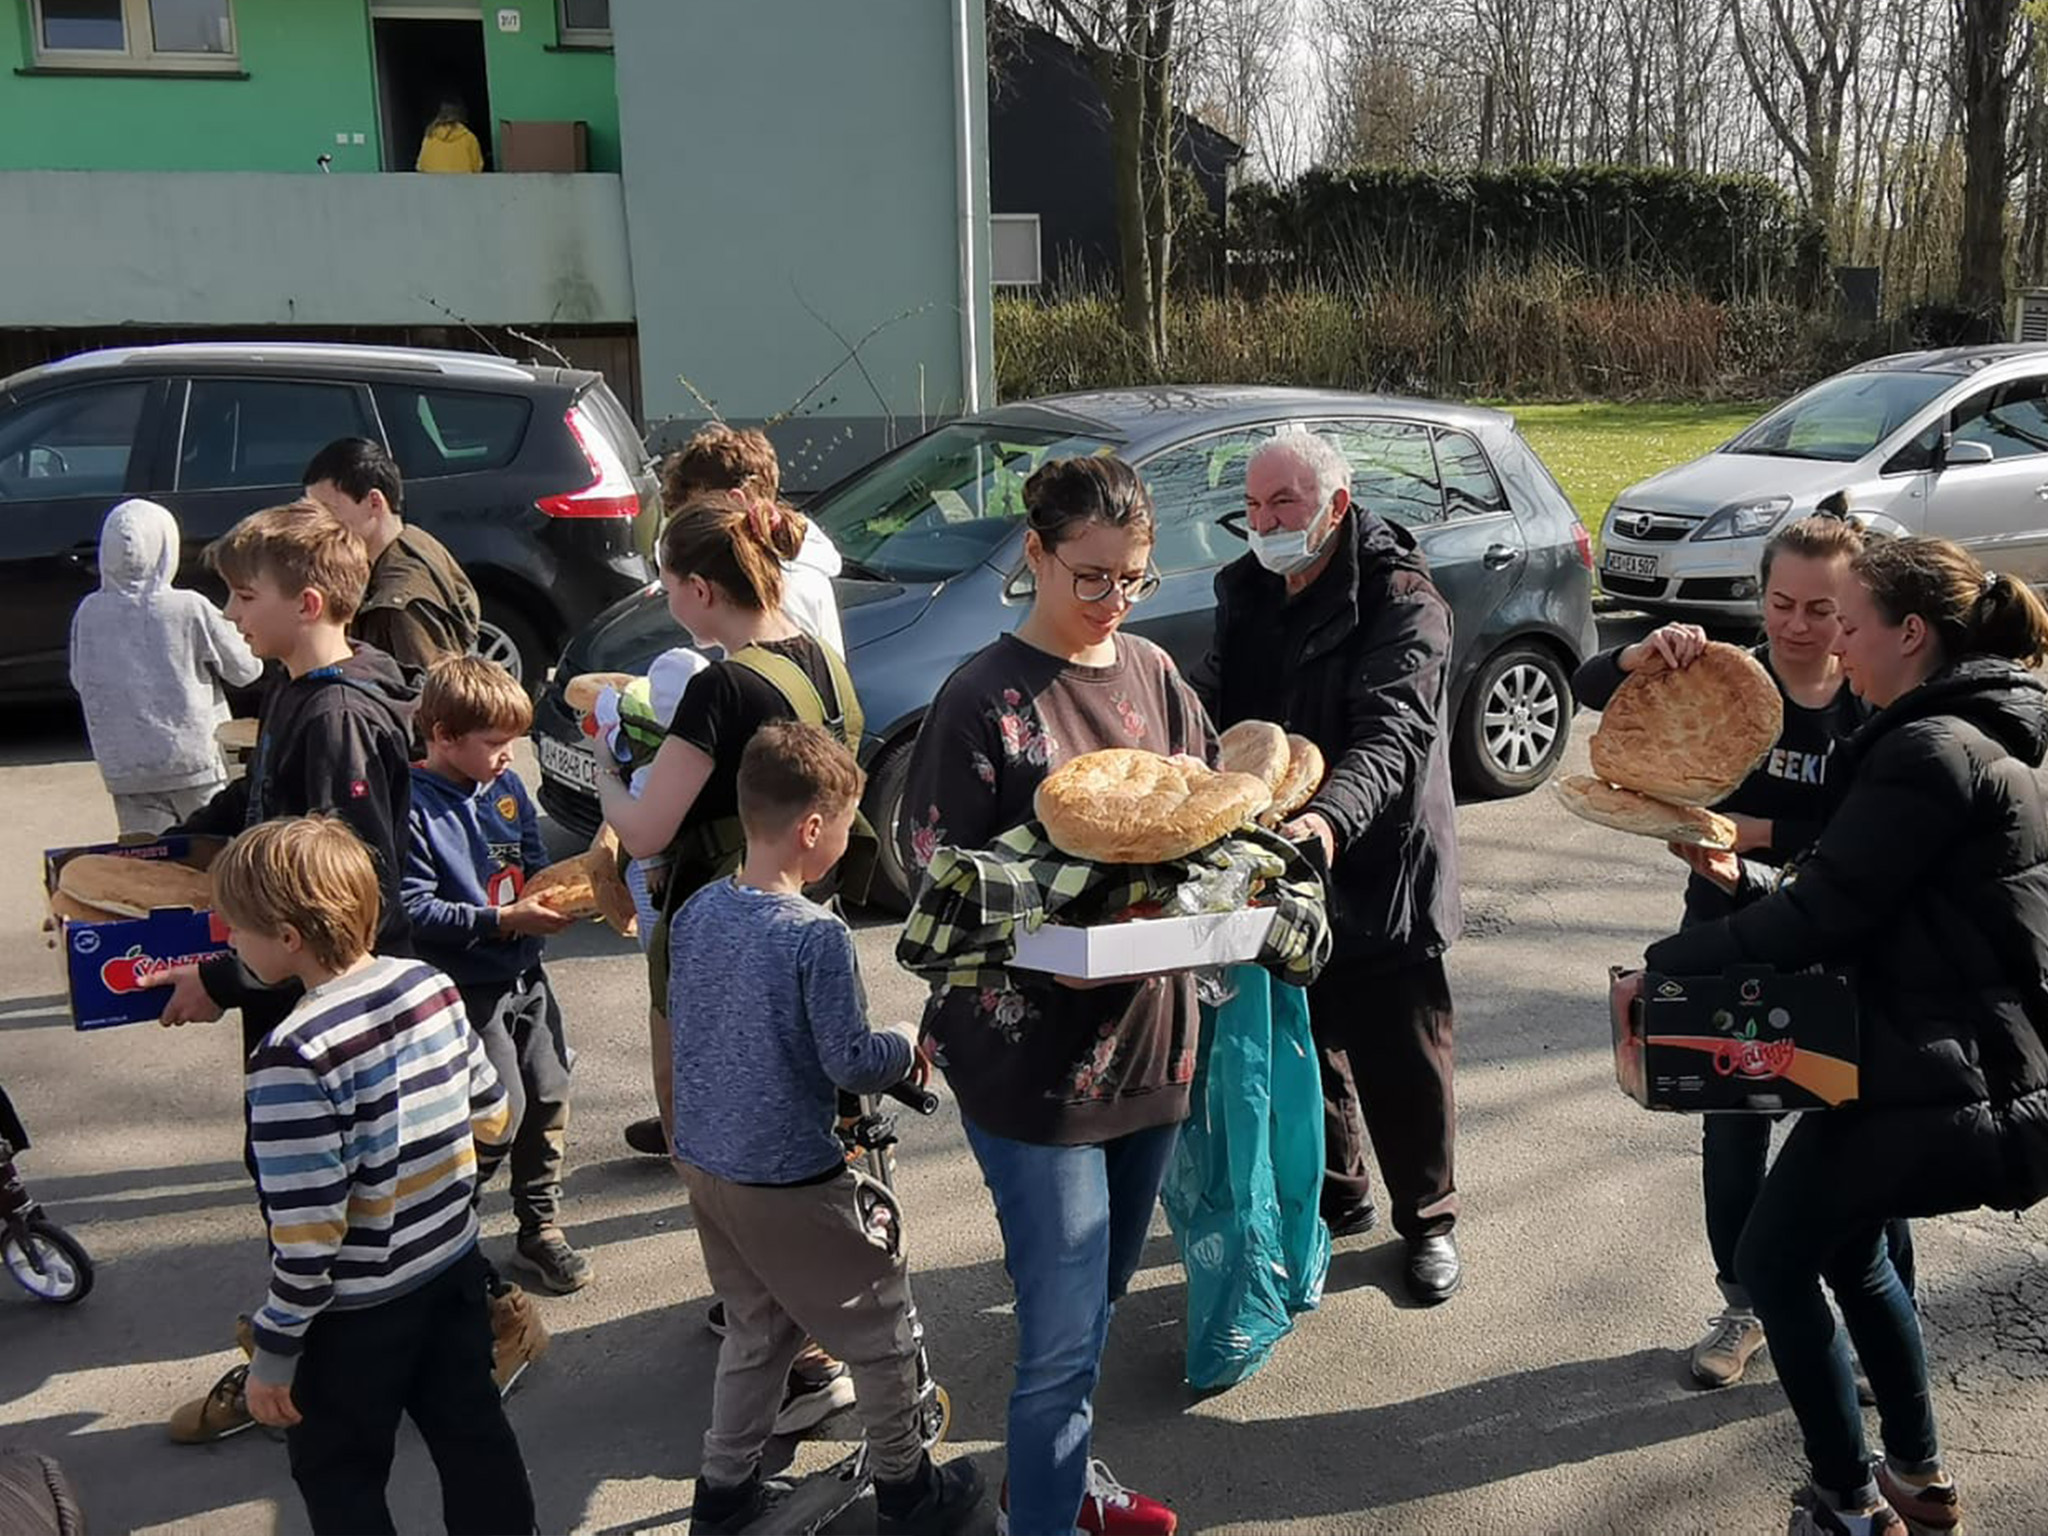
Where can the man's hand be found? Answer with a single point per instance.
(530, 917)
(1751, 832)
(1312, 825)
(1673, 647)
(190, 1002)
(1721, 866)
(272, 1405)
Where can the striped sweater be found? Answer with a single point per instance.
(365, 1107)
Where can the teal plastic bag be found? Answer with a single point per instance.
(1242, 1193)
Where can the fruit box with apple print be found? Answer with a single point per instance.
(1751, 1039)
(108, 966)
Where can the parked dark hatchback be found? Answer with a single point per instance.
(533, 477)
(932, 540)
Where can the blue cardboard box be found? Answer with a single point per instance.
(108, 966)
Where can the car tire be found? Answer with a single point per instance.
(883, 805)
(508, 637)
(1514, 723)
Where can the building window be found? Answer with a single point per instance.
(586, 23)
(135, 34)
(1015, 260)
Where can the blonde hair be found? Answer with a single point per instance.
(790, 769)
(461, 694)
(299, 546)
(312, 872)
(1823, 536)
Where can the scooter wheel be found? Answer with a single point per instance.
(47, 1262)
(936, 1416)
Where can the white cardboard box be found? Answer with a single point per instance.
(1147, 946)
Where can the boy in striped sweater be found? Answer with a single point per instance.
(366, 1105)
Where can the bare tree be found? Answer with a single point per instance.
(1237, 73)
(1992, 54)
(1814, 46)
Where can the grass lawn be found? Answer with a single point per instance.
(1596, 448)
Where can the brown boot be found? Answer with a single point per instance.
(518, 1337)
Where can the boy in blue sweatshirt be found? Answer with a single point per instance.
(475, 843)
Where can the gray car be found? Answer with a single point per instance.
(1953, 443)
(932, 541)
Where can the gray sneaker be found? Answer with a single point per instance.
(812, 1399)
(1723, 1355)
(547, 1253)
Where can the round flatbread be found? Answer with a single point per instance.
(133, 887)
(1124, 806)
(71, 910)
(1626, 811)
(1256, 747)
(1692, 735)
(1298, 786)
(582, 690)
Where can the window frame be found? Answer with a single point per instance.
(140, 55)
(371, 424)
(570, 36)
(1462, 512)
(1231, 522)
(1329, 425)
(1957, 421)
(138, 444)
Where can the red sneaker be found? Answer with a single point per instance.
(1109, 1509)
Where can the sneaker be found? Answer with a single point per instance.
(714, 1318)
(548, 1254)
(939, 1501)
(518, 1337)
(1812, 1515)
(716, 1511)
(647, 1137)
(1107, 1509)
(222, 1412)
(1723, 1355)
(1933, 1506)
(814, 1398)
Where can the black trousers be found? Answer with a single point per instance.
(1385, 1041)
(520, 1024)
(427, 1354)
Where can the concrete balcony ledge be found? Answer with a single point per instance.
(105, 248)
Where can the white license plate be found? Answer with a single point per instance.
(1629, 565)
(574, 766)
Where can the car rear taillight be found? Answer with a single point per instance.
(611, 492)
(1585, 542)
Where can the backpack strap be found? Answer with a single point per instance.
(801, 694)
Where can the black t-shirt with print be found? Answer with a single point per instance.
(722, 708)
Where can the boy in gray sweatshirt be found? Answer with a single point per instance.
(149, 660)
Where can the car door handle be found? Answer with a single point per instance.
(1499, 557)
(85, 556)
(2041, 491)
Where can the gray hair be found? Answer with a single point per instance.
(1332, 470)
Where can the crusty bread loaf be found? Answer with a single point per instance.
(1124, 806)
(133, 887)
(582, 690)
(1298, 786)
(1690, 735)
(1256, 747)
(1626, 811)
(568, 886)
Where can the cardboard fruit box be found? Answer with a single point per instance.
(109, 966)
(1145, 946)
(1751, 1039)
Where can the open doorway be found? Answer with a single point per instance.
(420, 64)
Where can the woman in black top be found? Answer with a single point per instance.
(1778, 811)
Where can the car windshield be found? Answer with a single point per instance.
(944, 504)
(1843, 418)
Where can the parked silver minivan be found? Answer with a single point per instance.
(1953, 443)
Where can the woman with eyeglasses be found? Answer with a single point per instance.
(1072, 1093)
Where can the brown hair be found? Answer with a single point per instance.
(790, 769)
(737, 546)
(1822, 536)
(1064, 495)
(297, 546)
(312, 872)
(722, 458)
(461, 694)
(1972, 611)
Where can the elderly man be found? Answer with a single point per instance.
(1332, 628)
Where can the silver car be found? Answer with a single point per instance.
(1953, 443)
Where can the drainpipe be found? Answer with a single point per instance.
(963, 154)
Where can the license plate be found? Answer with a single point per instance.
(1629, 565)
(574, 766)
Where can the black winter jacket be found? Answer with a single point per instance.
(1359, 662)
(1930, 882)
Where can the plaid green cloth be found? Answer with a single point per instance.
(963, 927)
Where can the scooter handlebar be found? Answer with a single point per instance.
(923, 1100)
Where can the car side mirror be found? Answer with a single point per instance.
(1954, 453)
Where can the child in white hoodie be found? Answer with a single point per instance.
(149, 661)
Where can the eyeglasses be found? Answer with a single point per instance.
(1089, 587)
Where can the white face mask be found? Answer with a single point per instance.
(1285, 551)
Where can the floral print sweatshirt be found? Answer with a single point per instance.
(1030, 1059)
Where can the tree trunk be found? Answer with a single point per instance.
(1984, 30)
(1159, 143)
(1123, 86)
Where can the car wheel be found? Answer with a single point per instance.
(509, 638)
(1514, 723)
(884, 807)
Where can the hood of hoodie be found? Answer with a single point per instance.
(372, 674)
(138, 549)
(818, 552)
(2000, 698)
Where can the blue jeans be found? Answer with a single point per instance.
(1074, 1221)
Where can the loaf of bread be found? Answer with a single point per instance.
(71, 910)
(1627, 811)
(1689, 735)
(133, 887)
(1124, 806)
(588, 885)
(582, 690)
(1256, 747)
(1298, 786)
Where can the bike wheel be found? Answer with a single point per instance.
(47, 1262)
(935, 1416)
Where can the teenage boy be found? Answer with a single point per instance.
(420, 607)
(475, 844)
(367, 1162)
(759, 1059)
